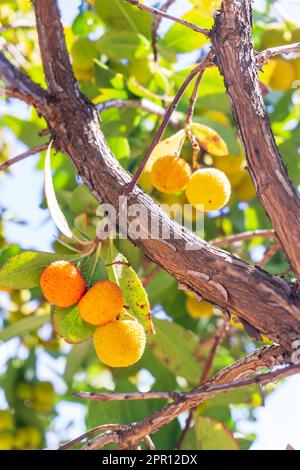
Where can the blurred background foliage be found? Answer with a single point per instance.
(112, 56)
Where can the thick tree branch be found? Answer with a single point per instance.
(231, 38)
(57, 67)
(219, 277)
(19, 85)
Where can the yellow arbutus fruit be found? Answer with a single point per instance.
(120, 343)
(62, 284)
(170, 174)
(210, 188)
(232, 166)
(170, 146)
(102, 303)
(198, 309)
(209, 140)
(245, 191)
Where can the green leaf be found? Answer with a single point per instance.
(82, 200)
(123, 17)
(54, 209)
(68, 324)
(93, 270)
(119, 147)
(181, 39)
(123, 45)
(178, 349)
(106, 77)
(31, 323)
(134, 293)
(214, 435)
(23, 271)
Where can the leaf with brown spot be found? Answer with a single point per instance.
(209, 140)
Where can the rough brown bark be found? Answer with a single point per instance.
(265, 302)
(231, 38)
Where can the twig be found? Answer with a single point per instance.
(22, 156)
(267, 54)
(269, 254)
(193, 99)
(155, 25)
(219, 336)
(143, 104)
(188, 120)
(163, 14)
(243, 237)
(126, 396)
(23, 25)
(102, 441)
(198, 69)
(102, 428)
(149, 443)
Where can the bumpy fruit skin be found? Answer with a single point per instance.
(209, 187)
(62, 284)
(170, 174)
(120, 343)
(6, 420)
(102, 303)
(198, 309)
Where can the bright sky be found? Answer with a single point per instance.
(277, 423)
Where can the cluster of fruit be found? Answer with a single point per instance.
(119, 339)
(17, 438)
(209, 187)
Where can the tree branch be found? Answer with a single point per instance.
(57, 67)
(143, 104)
(267, 54)
(155, 25)
(24, 155)
(198, 70)
(218, 339)
(231, 239)
(19, 85)
(231, 38)
(166, 15)
(217, 276)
